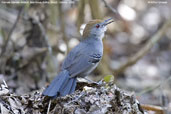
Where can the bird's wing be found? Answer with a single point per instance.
(72, 55)
(83, 63)
(79, 61)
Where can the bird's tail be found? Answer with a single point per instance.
(61, 85)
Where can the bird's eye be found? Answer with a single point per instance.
(97, 26)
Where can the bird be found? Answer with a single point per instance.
(81, 60)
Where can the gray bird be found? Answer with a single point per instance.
(81, 60)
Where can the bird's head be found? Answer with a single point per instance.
(96, 28)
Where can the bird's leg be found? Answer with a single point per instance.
(91, 81)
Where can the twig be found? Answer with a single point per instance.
(43, 32)
(5, 83)
(44, 36)
(49, 107)
(42, 29)
(144, 50)
(155, 87)
(110, 7)
(117, 15)
(11, 32)
(156, 109)
(6, 105)
(164, 97)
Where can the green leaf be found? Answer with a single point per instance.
(109, 78)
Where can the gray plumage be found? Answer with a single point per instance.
(84, 57)
(80, 62)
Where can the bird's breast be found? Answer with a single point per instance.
(95, 47)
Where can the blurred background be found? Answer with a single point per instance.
(35, 38)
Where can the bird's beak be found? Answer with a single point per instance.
(107, 21)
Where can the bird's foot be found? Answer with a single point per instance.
(91, 81)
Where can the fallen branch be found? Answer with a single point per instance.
(155, 109)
